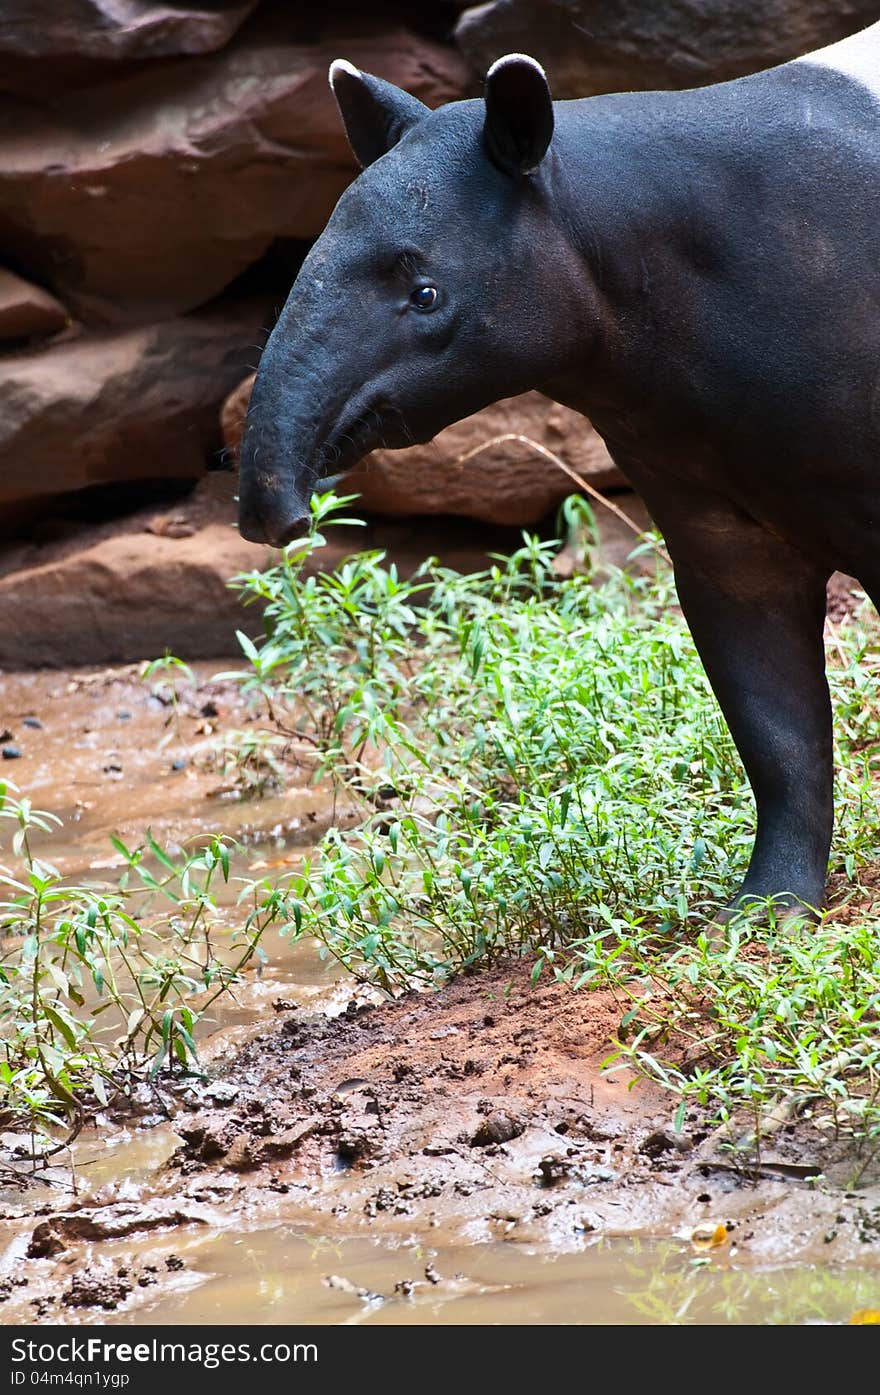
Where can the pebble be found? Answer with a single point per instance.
(178, 765)
(11, 753)
(33, 722)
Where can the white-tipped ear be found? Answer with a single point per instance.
(340, 67)
(519, 114)
(375, 113)
(515, 58)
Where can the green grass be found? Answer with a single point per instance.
(543, 768)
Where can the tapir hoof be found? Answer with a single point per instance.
(786, 913)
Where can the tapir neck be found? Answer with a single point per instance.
(624, 170)
(699, 218)
(656, 193)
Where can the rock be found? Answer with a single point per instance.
(145, 195)
(134, 404)
(665, 1141)
(509, 484)
(221, 1092)
(551, 1169)
(233, 413)
(588, 46)
(242, 1155)
(27, 311)
(113, 592)
(117, 29)
(497, 1127)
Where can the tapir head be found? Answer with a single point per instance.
(424, 299)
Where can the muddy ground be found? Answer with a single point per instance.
(483, 1112)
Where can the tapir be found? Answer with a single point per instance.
(698, 273)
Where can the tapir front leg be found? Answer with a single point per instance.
(756, 608)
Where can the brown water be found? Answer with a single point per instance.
(104, 760)
(279, 1275)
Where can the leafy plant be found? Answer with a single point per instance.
(543, 768)
(98, 988)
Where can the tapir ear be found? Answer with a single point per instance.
(375, 113)
(519, 114)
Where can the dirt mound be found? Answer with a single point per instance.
(486, 1110)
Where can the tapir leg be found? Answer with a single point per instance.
(756, 608)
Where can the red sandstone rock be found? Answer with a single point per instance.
(591, 46)
(132, 404)
(145, 195)
(117, 29)
(131, 588)
(27, 311)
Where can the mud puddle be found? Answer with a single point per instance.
(461, 1157)
(285, 1275)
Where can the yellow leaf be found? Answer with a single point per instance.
(709, 1237)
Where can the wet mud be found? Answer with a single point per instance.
(460, 1156)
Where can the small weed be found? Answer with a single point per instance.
(175, 672)
(99, 989)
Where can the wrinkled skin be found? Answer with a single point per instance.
(697, 272)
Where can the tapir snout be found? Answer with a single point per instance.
(266, 517)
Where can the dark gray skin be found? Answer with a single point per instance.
(699, 274)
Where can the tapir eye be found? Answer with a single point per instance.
(424, 297)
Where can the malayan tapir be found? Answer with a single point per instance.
(699, 273)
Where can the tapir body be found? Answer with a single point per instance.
(697, 272)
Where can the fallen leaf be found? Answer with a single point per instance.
(709, 1236)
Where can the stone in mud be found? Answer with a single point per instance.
(205, 1143)
(57, 1233)
(665, 1141)
(353, 1146)
(221, 1091)
(242, 1155)
(497, 1127)
(552, 1169)
(95, 1289)
(281, 1145)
